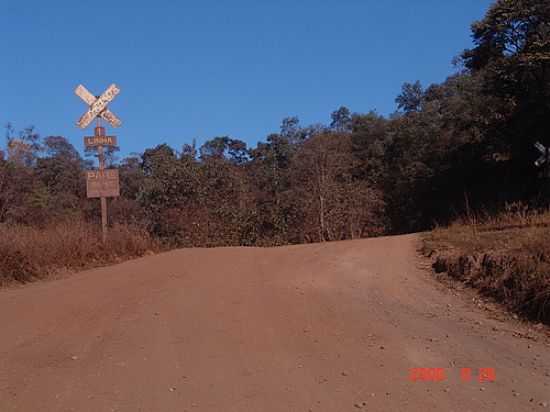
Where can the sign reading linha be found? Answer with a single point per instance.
(102, 183)
(95, 141)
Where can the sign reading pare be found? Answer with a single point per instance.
(102, 183)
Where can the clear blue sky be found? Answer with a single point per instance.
(210, 68)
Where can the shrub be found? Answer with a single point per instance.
(28, 253)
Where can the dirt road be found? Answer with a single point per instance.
(331, 327)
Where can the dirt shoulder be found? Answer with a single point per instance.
(508, 266)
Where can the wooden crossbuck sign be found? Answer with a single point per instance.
(545, 154)
(98, 106)
(102, 183)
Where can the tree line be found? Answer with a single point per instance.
(464, 144)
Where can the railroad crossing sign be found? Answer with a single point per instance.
(98, 106)
(102, 183)
(545, 154)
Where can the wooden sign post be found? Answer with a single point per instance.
(101, 183)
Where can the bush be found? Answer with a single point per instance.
(28, 253)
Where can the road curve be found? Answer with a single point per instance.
(327, 327)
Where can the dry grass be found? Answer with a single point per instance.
(514, 216)
(28, 253)
(506, 257)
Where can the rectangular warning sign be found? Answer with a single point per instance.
(102, 183)
(94, 141)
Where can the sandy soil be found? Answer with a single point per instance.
(330, 327)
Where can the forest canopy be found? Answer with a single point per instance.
(466, 143)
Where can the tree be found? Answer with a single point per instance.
(224, 147)
(58, 174)
(58, 147)
(369, 140)
(332, 204)
(269, 171)
(189, 151)
(411, 97)
(341, 120)
(512, 54)
(161, 185)
(23, 147)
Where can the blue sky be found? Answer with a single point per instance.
(211, 68)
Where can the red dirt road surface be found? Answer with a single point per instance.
(329, 327)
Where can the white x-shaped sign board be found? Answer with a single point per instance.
(98, 106)
(541, 160)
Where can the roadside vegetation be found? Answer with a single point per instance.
(358, 175)
(506, 257)
(31, 253)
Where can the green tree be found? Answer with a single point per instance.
(341, 120)
(411, 97)
(512, 54)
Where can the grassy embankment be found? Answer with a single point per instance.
(506, 257)
(27, 253)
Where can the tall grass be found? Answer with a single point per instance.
(514, 216)
(28, 253)
(506, 256)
